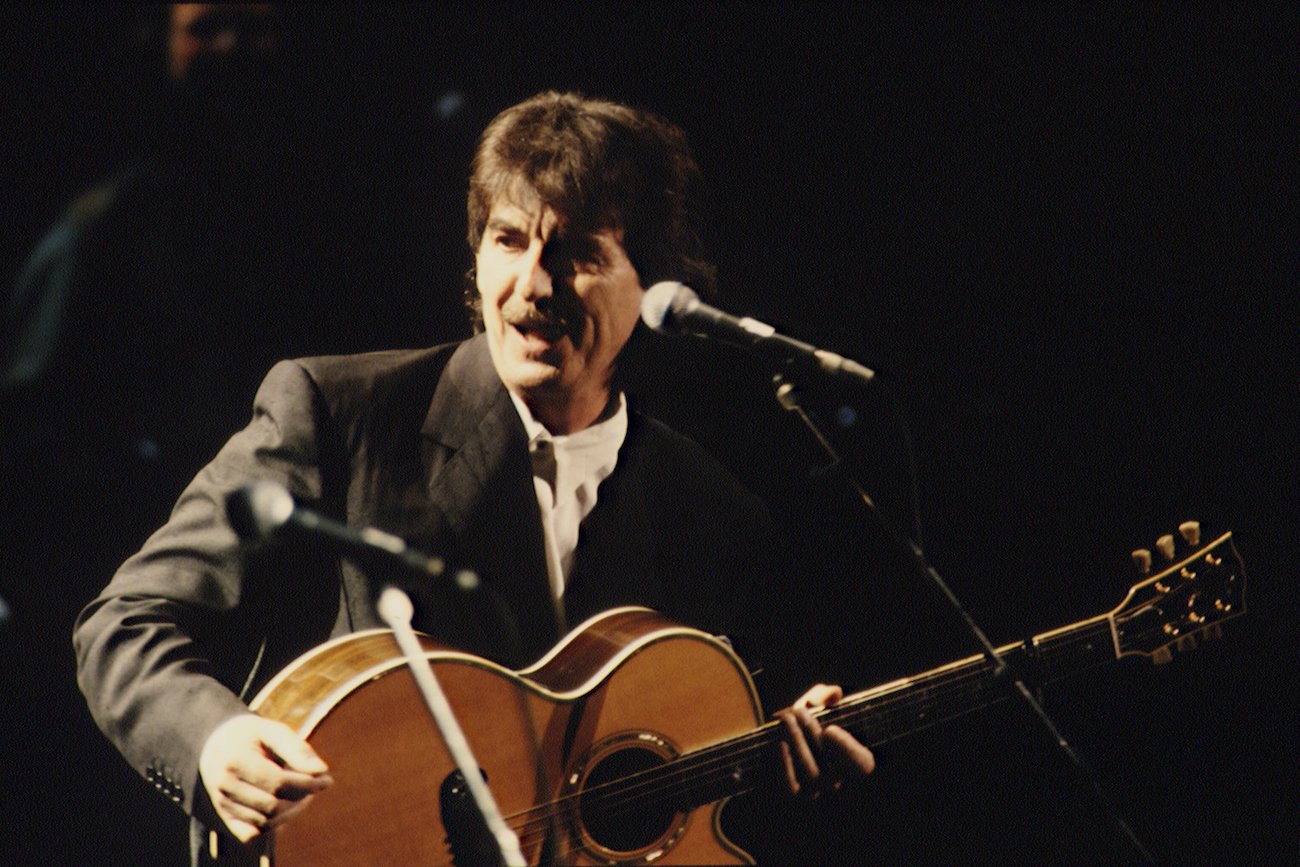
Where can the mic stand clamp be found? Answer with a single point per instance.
(396, 610)
(787, 394)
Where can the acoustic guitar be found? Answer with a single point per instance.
(625, 741)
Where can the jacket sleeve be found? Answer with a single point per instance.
(165, 650)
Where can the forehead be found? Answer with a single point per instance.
(529, 213)
(570, 207)
(518, 211)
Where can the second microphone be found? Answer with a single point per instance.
(674, 308)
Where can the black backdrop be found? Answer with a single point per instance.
(1066, 236)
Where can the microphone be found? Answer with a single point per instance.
(266, 510)
(674, 308)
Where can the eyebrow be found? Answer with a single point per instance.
(498, 224)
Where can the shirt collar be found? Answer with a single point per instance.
(611, 429)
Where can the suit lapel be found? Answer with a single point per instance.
(616, 563)
(481, 482)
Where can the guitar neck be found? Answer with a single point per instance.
(892, 710)
(1162, 614)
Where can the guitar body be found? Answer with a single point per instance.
(624, 692)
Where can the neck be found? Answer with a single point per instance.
(571, 413)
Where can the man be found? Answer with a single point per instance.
(513, 453)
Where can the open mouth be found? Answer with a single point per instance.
(539, 336)
(540, 328)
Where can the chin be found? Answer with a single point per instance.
(535, 376)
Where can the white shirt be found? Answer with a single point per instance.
(567, 470)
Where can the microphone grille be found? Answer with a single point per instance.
(661, 301)
(258, 510)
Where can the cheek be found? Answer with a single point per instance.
(615, 325)
(629, 308)
(487, 282)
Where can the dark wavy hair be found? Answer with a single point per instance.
(601, 165)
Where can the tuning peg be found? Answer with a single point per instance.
(1142, 559)
(1191, 532)
(1165, 545)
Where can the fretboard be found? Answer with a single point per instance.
(875, 716)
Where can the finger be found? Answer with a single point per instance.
(262, 772)
(294, 786)
(242, 831)
(820, 695)
(810, 725)
(801, 750)
(243, 821)
(264, 810)
(281, 782)
(292, 789)
(288, 811)
(294, 752)
(849, 751)
(245, 794)
(248, 811)
(791, 776)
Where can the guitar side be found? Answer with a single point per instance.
(623, 691)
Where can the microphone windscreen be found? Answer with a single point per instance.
(258, 510)
(661, 301)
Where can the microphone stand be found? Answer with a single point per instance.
(396, 609)
(787, 395)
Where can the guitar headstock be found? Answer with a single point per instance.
(1189, 600)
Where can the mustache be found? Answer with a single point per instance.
(553, 321)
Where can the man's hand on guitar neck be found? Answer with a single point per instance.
(819, 758)
(259, 773)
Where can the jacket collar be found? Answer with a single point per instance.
(469, 396)
(482, 486)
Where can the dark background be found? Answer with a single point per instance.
(1066, 236)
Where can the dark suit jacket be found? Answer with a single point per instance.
(427, 445)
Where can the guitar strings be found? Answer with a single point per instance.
(961, 683)
(695, 770)
(947, 684)
(727, 753)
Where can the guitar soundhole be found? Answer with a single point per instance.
(625, 816)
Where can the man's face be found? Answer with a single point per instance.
(211, 34)
(557, 308)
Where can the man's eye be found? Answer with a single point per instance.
(583, 254)
(510, 241)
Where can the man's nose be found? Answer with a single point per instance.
(534, 281)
